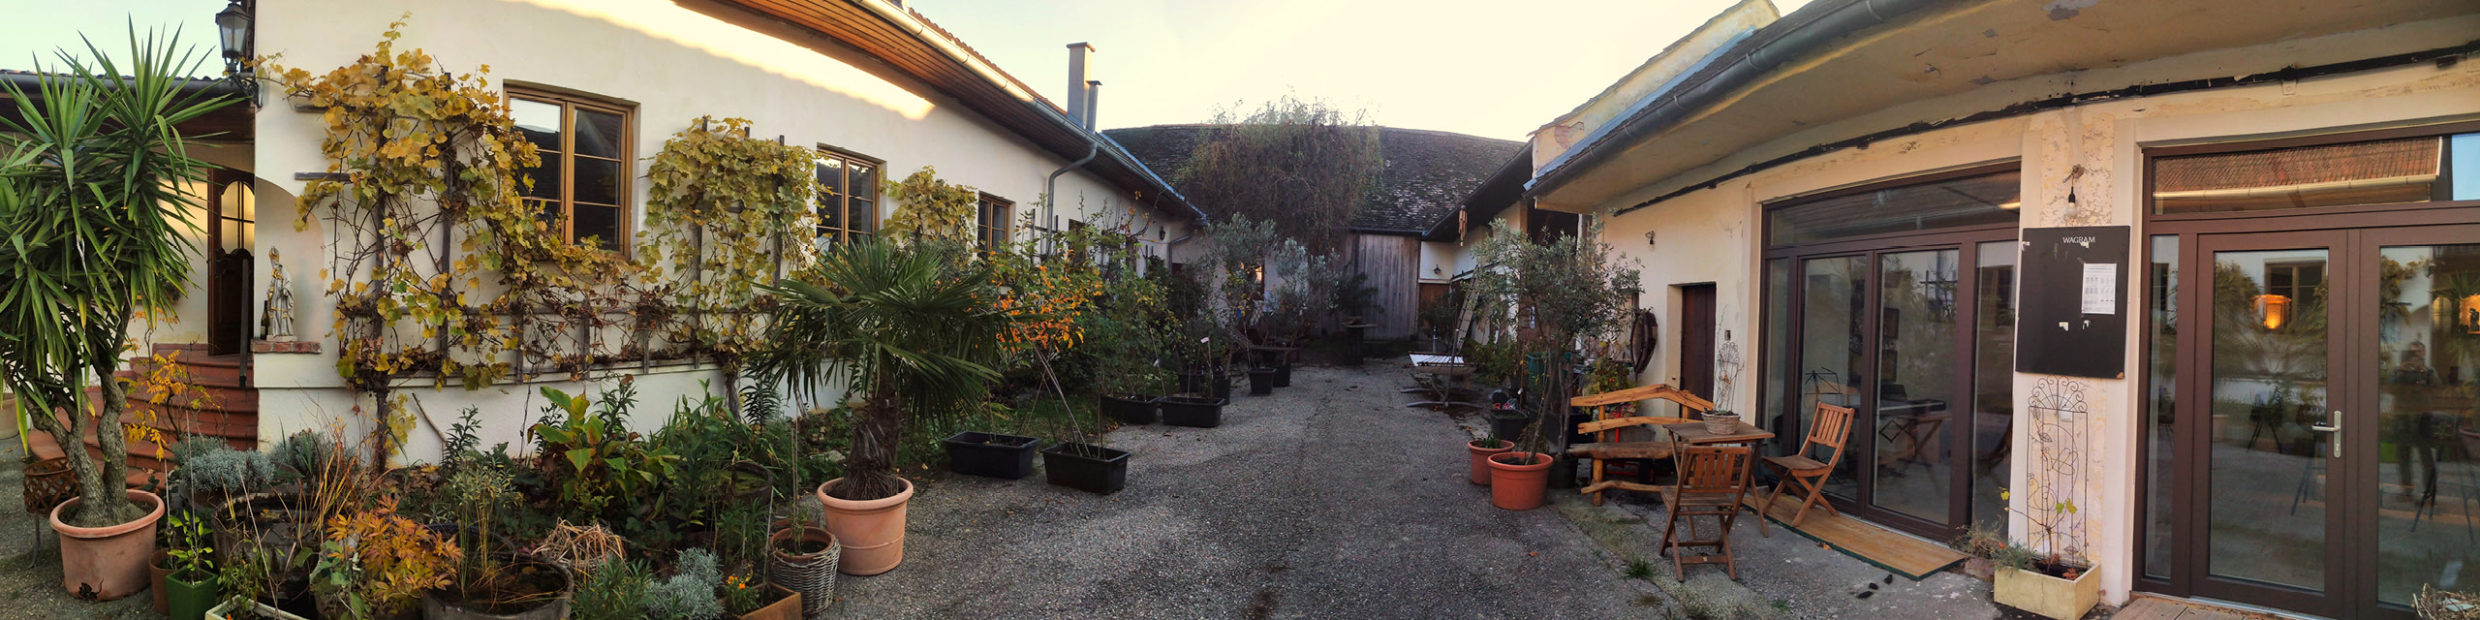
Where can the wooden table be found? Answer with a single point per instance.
(1448, 372)
(1695, 434)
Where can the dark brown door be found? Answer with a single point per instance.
(1696, 339)
(2269, 491)
(230, 235)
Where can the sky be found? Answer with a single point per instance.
(1484, 67)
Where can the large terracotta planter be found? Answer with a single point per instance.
(106, 563)
(2047, 596)
(1480, 473)
(872, 532)
(1516, 486)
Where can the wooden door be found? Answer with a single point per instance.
(1696, 340)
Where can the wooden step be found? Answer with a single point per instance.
(216, 398)
(140, 458)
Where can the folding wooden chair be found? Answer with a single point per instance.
(1712, 481)
(1832, 429)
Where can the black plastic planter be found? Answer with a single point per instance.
(1086, 467)
(1197, 412)
(1261, 381)
(1130, 410)
(989, 454)
(1508, 424)
(1283, 371)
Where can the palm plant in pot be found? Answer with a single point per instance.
(1564, 292)
(909, 330)
(95, 197)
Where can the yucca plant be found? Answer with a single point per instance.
(909, 330)
(94, 208)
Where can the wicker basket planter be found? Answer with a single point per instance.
(810, 576)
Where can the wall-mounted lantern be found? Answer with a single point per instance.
(233, 28)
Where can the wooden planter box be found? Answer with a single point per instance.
(2048, 596)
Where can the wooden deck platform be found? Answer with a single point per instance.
(2156, 608)
(1910, 557)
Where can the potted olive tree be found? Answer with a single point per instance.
(95, 200)
(1562, 293)
(908, 330)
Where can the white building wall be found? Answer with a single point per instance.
(675, 63)
(1711, 235)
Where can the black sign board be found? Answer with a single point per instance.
(2071, 318)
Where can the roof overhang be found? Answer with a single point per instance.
(1896, 64)
(1503, 189)
(922, 51)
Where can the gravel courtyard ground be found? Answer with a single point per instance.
(1327, 499)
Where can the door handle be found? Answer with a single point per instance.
(2334, 427)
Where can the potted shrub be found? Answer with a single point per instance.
(976, 453)
(1261, 381)
(803, 558)
(1567, 291)
(376, 563)
(1481, 450)
(94, 246)
(190, 588)
(491, 582)
(910, 330)
(750, 599)
(1126, 341)
(2054, 584)
(1131, 408)
(1197, 411)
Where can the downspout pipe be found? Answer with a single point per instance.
(1797, 36)
(1050, 186)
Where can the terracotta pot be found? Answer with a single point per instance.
(107, 562)
(786, 608)
(1518, 487)
(1480, 473)
(872, 532)
(157, 571)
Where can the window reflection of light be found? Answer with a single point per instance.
(2273, 310)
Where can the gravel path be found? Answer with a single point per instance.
(1327, 499)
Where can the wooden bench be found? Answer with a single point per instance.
(1603, 449)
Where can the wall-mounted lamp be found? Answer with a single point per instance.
(233, 30)
(2273, 310)
(1649, 238)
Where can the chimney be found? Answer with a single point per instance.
(1093, 95)
(1077, 84)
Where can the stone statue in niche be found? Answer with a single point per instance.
(275, 319)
